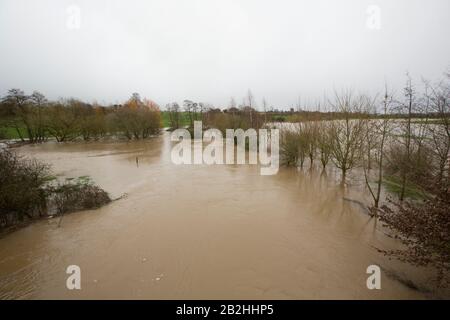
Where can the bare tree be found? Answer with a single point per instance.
(39, 101)
(174, 115)
(439, 131)
(324, 142)
(250, 104)
(264, 105)
(409, 92)
(311, 134)
(380, 129)
(191, 108)
(62, 120)
(18, 100)
(347, 134)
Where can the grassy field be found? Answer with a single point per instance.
(9, 132)
(184, 119)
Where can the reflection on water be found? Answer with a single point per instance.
(189, 231)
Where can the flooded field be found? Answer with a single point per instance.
(197, 231)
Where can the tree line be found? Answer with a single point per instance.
(408, 155)
(244, 116)
(34, 118)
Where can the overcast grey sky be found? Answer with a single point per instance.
(208, 50)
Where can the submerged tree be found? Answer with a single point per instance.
(138, 119)
(191, 108)
(439, 132)
(347, 134)
(376, 136)
(173, 110)
(63, 119)
(39, 103)
(311, 134)
(408, 105)
(324, 143)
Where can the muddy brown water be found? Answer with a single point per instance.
(198, 232)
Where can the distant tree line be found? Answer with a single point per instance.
(243, 116)
(35, 119)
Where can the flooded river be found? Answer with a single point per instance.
(199, 231)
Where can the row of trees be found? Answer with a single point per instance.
(243, 116)
(192, 111)
(411, 153)
(34, 118)
(414, 150)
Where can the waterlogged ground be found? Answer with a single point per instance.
(199, 232)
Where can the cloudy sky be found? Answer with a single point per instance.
(210, 50)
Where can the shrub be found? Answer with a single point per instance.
(424, 230)
(291, 149)
(79, 194)
(22, 188)
(25, 191)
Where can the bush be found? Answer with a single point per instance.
(292, 147)
(424, 230)
(80, 194)
(26, 191)
(22, 188)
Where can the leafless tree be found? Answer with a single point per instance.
(264, 106)
(408, 104)
(378, 133)
(311, 135)
(324, 142)
(250, 105)
(347, 134)
(174, 115)
(191, 108)
(439, 131)
(18, 100)
(39, 102)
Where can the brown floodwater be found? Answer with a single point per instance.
(197, 231)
